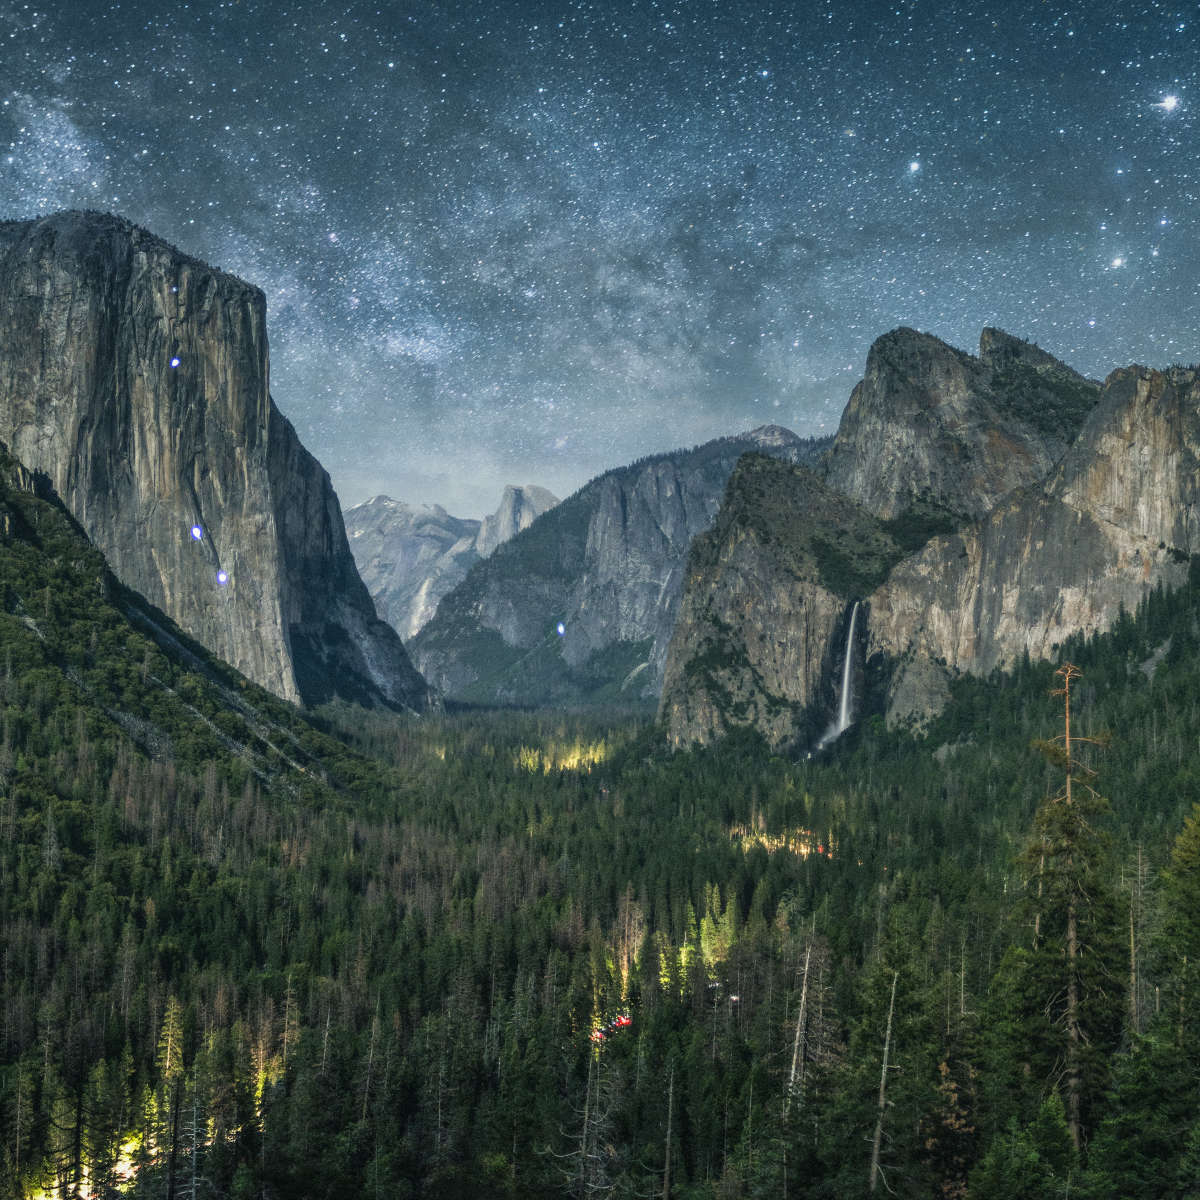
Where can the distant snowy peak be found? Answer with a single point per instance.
(411, 555)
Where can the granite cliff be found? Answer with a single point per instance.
(1023, 503)
(764, 617)
(1119, 515)
(607, 564)
(410, 557)
(519, 508)
(932, 425)
(136, 379)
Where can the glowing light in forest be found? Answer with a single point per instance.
(561, 756)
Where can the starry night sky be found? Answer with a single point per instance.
(508, 242)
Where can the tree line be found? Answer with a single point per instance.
(375, 960)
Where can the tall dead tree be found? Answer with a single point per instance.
(1068, 856)
(877, 1140)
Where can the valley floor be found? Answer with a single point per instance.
(502, 954)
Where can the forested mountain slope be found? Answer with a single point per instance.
(246, 960)
(579, 608)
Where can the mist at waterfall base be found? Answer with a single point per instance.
(845, 713)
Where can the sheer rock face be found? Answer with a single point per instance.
(410, 556)
(762, 626)
(1114, 511)
(933, 424)
(608, 564)
(136, 379)
(1119, 515)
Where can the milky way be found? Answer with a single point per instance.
(526, 242)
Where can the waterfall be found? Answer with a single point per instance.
(845, 716)
(844, 713)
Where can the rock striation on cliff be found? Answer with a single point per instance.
(1119, 515)
(136, 379)
(607, 565)
(1024, 503)
(410, 556)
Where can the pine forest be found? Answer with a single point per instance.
(253, 953)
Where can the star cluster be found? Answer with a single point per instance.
(523, 241)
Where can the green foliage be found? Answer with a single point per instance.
(1135, 1153)
(785, 507)
(845, 570)
(1052, 402)
(361, 954)
(1032, 1162)
(921, 521)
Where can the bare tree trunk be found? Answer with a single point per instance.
(1037, 916)
(797, 1041)
(666, 1192)
(585, 1131)
(1182, 1001)
(370, 1063)
(962, 978)
(887, 1046)
(750, 1129)
(17, 1172)
(195, 1141)
(173, 1152)
(325, 1043)
(1074, 1080)
(1133, 996)
(1135, 915)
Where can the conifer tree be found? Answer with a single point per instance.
(1074, 957)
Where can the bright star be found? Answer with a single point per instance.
(1168, 103)
(1118, 262)
(222, 577)
(914, 166)
(197, 532)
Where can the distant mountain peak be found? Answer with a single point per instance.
(579, 607)
(773, 435)
(410, 556)
(520, 506)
